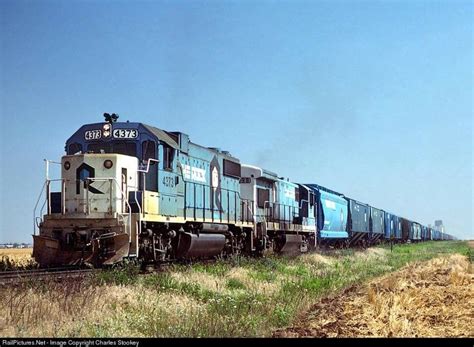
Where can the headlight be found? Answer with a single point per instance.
(106, 133)
(108, 164)
(106, 126)
(67, 165)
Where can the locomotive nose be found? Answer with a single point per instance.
(98, 182)
(89, 220)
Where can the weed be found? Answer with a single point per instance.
(234, 283)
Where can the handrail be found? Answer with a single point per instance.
(251, 214)
(204, 185)
(291, 210)
(93, 179)
(230, 193)
(235, 193)
(36, 206)
(47, 162)
(148, 165)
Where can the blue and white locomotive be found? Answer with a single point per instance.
(130, 190)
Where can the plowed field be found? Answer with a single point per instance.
(434, 298)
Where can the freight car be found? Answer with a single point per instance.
(376, 225)
(131, 190)
(358, 222)
(332, 214)
(392, 227)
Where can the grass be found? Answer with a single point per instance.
(236, 297)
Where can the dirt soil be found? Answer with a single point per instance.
(430, 299)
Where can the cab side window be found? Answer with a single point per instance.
(168, 156)
(148, 150)
(263, 196)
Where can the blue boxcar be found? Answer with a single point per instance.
(398, 229)
(415, 231)
(376, 224)
(358, 221)
(424, 233)
(388, 226)
(332, 214)
(392, 226)
(407, 230)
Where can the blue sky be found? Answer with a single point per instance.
(370, 98)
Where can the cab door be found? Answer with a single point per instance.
(149, 179)
(167, 187)
(180, 192)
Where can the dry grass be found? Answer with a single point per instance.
(15, 252)
(16, 258)
(138, 311)
(372, 253)
(220, 283)
(316, 258)
(430, 299)
(77, 309)
(238, 297)
(45, 308)
(205, 280)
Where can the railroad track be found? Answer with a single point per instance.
(17, 276)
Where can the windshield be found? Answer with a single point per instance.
(118, 147)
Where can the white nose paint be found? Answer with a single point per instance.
(107, 191)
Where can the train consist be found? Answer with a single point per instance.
(130, 190)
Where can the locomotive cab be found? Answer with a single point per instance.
(89, 217)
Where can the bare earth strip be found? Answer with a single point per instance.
(434, 298)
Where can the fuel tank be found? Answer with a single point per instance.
(199, 246)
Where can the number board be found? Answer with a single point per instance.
(92, 135)
(125, 133)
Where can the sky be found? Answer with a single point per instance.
(373, 99)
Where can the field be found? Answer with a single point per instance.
(16, 258)
(430, 299)
(274, 296)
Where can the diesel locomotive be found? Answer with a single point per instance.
(130, 190)
(133, 191)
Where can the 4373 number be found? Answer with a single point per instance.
(168, 181)
(125, 133)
